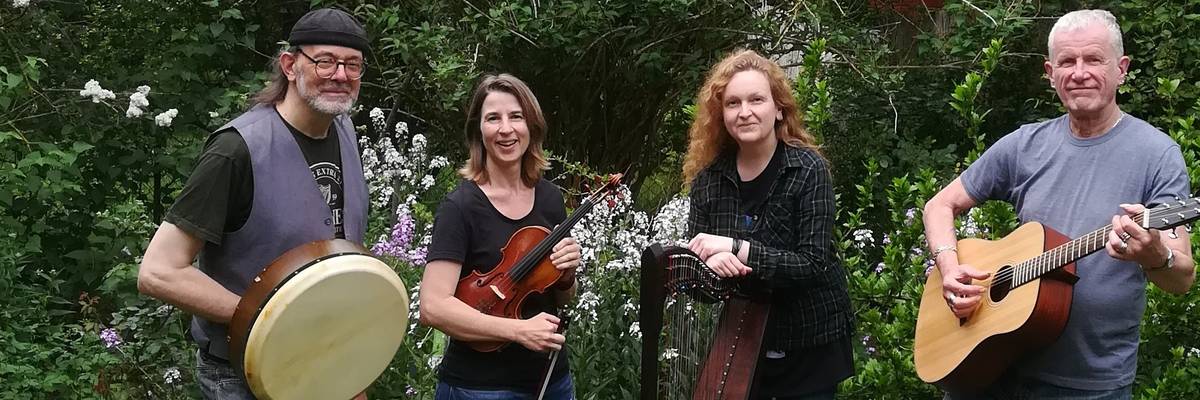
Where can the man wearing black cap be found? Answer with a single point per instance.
(284, 173)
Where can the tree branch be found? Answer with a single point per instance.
(506, 26)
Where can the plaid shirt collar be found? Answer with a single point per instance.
(726, 163)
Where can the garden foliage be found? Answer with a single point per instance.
(104, 106)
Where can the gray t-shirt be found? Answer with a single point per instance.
(1075, 186)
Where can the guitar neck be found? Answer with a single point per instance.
(1063, 254)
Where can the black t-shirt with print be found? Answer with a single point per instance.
(219, 194)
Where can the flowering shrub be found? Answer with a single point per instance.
(397, 181)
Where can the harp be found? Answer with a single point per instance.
(705, 332)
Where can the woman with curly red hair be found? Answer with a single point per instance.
(762, 211)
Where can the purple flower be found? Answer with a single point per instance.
(110, 338)
(410, 391)
(879, 268)
(400, 242)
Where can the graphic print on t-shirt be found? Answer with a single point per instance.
(329, 180)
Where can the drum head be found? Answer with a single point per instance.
(328, 332)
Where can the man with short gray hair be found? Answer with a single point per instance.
(1093, 166)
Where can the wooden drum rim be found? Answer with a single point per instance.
(272, 277)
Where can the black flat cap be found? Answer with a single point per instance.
(332, 27)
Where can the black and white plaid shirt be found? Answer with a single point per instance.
(791, 245)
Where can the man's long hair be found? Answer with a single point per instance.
(277, 88)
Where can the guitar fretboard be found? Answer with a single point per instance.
(1061, 255)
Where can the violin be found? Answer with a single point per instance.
(524, 269)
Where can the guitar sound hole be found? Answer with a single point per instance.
(1001, 284)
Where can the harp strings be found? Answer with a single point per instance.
(689, 324)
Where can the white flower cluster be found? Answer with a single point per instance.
(635, 330)
(166, 117)
(613, 235)
(970, 228)
(614, 232)
(137, 101)
(392, 175)
(586, 306)
(172, 376)
(669, 354)
(377, 119)
(92, 89)
(670, 224)
(863, 238)
(20, 3)
(434, 361)
(414, 308)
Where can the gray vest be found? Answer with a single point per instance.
(288, 210)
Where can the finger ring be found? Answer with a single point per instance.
(1124, 246)
(1125, 236)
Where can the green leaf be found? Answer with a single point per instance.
(232, 13)
(14, 80)
(80, 147)
(217, 28)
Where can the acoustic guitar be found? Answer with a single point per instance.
(1025, 305)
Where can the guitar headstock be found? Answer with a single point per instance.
(1170, 215)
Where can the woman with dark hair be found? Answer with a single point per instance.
(762, 211)
(502, 191)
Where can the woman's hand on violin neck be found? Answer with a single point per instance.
(538, 333)
(567, 254)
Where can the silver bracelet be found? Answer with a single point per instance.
(942, 249)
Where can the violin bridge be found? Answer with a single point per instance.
(497, 292)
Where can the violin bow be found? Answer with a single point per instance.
(562, 327)
(613, 180)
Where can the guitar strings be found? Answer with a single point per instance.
(1051, 257)
(1076, 249)
(1062, 253)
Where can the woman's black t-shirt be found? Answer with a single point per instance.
(469, 230)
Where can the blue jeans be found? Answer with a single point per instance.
(1032, 389)
(218, 380)
(563, 389)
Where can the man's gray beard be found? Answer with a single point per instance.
(314, 100)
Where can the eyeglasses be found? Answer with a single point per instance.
(327, 66)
